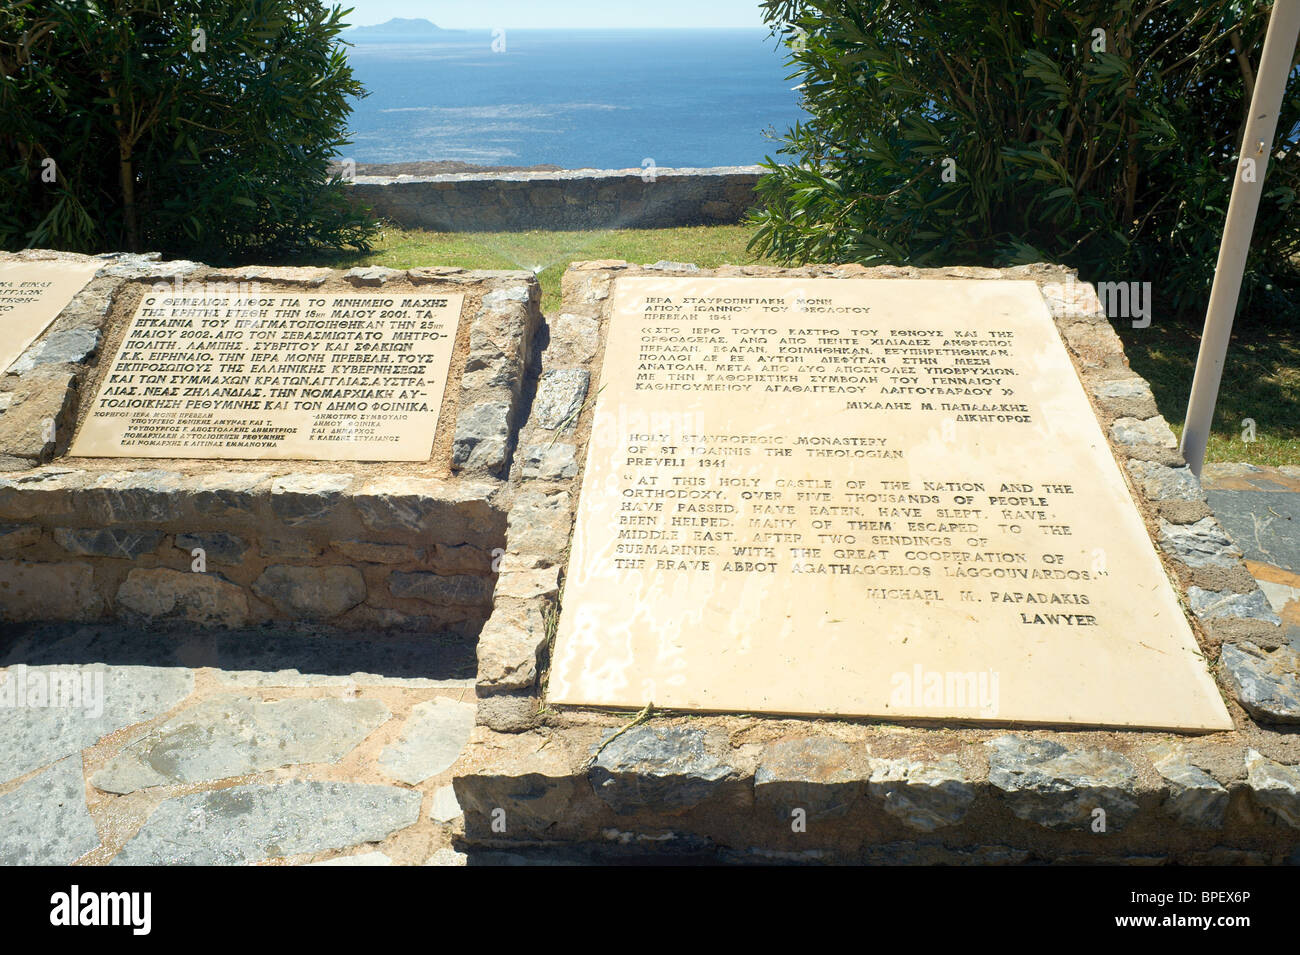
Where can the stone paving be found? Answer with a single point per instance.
(1260, 509)
(300, 747)
(124, 746)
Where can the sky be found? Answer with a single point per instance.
(526, 14)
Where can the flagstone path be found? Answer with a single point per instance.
(123, 746)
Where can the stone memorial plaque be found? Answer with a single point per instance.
(302, 376)
(867, 498)
(31, 295)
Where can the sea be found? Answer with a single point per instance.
(572, 98)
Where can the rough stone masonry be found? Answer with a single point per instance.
(761, 789)
(366, 546)
(356, 545)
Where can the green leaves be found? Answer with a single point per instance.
(227, 148)
(1047, 73)
(1110, 152)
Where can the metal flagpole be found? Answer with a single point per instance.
(1256, 144)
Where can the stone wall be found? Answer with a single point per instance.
(245, 547)
(728, 787)
(357, 545)
(579, 199)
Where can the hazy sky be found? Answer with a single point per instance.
(524, 14)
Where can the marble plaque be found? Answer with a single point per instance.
(31, 295)
(868, 498)
(211, 373)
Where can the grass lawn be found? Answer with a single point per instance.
(549, 253)
(1262, 380)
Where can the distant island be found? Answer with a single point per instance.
(398, 28)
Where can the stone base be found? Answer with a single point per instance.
(537, 779)
(758, 791)
(236, 548)
(233, 543)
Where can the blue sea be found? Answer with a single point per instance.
(573, 98)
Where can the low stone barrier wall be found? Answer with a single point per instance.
(243, 547)
(570, 200)
(760, 791)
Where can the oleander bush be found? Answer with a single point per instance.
(1100, 135)
(194, 127)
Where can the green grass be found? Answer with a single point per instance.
(551, 252)
(1262, 380)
